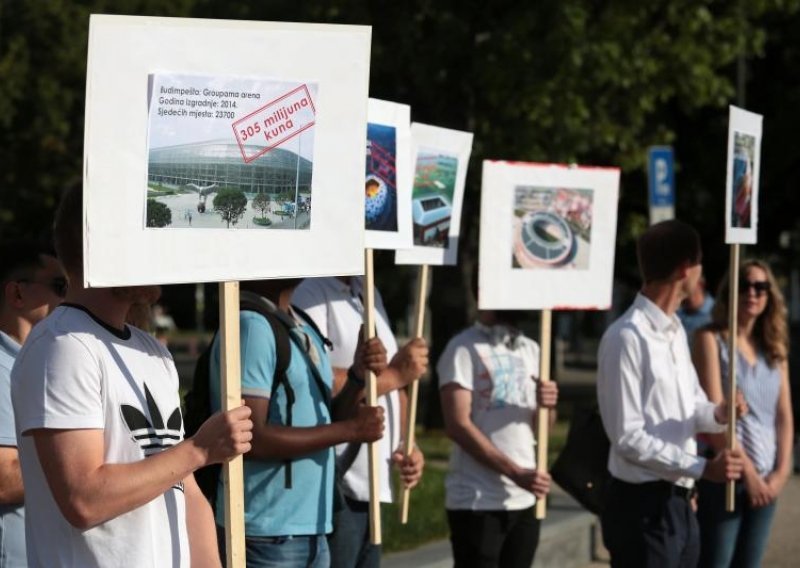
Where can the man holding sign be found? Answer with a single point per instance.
(652, 407)
(489, 401)
(335, 306)
(107, 473)
(299, 418)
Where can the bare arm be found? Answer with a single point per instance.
(273, 442)
(89, 491)
(456, 407)
(200, 527)
(11, 491)
(784, 426)
(705, 356)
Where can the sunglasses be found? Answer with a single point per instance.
(58, 285)
(759, 286)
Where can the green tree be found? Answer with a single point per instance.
(231, 204)
(158, 214)
(261, 203)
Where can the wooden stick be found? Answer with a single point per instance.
(372, 400)
(733, 324)
(231, 388)
(411, 418)
(543, 414)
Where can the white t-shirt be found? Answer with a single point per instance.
(76, 373)
(501, 378)
(337, 310)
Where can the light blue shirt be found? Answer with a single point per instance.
(12, 517)
(270, 508)
(761, 386)
(692, 321)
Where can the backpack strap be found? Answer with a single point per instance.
(350, 453)
(313, 325)
(283, 357)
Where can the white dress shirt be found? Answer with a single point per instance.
(650, 398)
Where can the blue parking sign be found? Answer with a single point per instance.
(661, 176)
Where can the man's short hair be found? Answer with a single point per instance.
(19, 259)
(68, 229)
(664, 247)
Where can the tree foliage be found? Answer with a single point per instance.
(261, 203)
(552, 80)
(158, 214)
(230, 204)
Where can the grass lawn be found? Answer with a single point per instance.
(427, 520)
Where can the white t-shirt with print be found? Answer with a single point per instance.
(503, 405)
(338, 311)
(75, 373)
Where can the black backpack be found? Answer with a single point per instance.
(198, 400)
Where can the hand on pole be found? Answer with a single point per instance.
(411, 361)
(721, 411)
(225, 435)
(370, 356)
(537, 482)
(368, 424)
(546, 394)
(410, 467)
(726, 466)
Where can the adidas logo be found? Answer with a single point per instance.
(154, 436)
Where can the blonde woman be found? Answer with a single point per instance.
(765, 433)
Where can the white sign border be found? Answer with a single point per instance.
(123, 51)
(502, 287)
(454, 142)
(399, 116)
(751, 123)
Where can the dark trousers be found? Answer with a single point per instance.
(650, 525)
(488, 539)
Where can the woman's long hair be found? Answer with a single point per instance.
(770, 332)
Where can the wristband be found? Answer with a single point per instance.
(352, 377)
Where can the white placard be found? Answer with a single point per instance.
(387, 191)
(742, 176)
(441, 158)
(547, 236)
(184, 111)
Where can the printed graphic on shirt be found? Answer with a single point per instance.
(502, 381)
(153, 435)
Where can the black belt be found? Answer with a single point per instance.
(662, 488)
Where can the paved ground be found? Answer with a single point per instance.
(185, 215)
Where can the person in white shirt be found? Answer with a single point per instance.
(108, 476)
(652, 407)
(335, 305)
(490, 394)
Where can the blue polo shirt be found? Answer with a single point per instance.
(12, 517)
(270, 508)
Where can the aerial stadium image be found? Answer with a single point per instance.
(246, 167)
(432, 197)
(551, 228)
(380, 189)
(208, 184)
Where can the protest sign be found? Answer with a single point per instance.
(223, 150)
(441, 157)
(547, 236)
